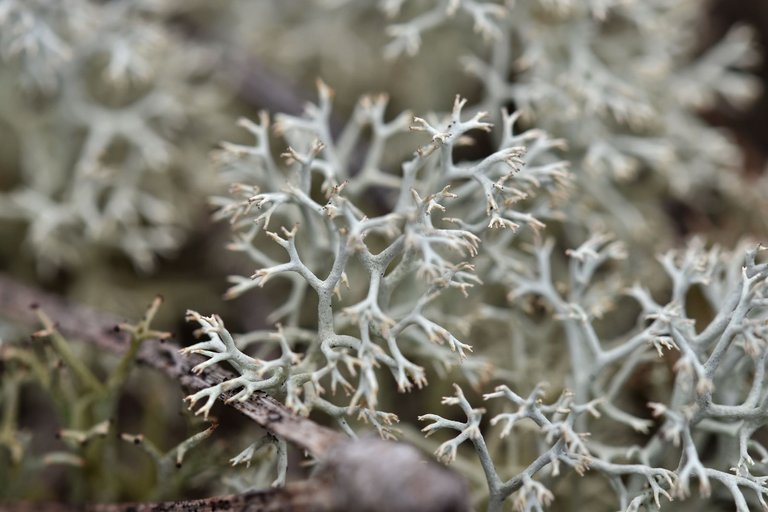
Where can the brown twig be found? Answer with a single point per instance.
(18, 302)
(364, 475)
(369, 475)
(306, 496)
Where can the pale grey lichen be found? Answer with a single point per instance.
(378, 278)
(453, 250)
(97, 97)
(622, 81)
(716, 374)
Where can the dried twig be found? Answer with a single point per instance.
(17, 301)
(307, 496)
(367, 474)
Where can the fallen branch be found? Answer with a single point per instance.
(18, 302)
(366, 474)
(305, 496)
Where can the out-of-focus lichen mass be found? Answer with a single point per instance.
(98, 104)
(524, 227)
